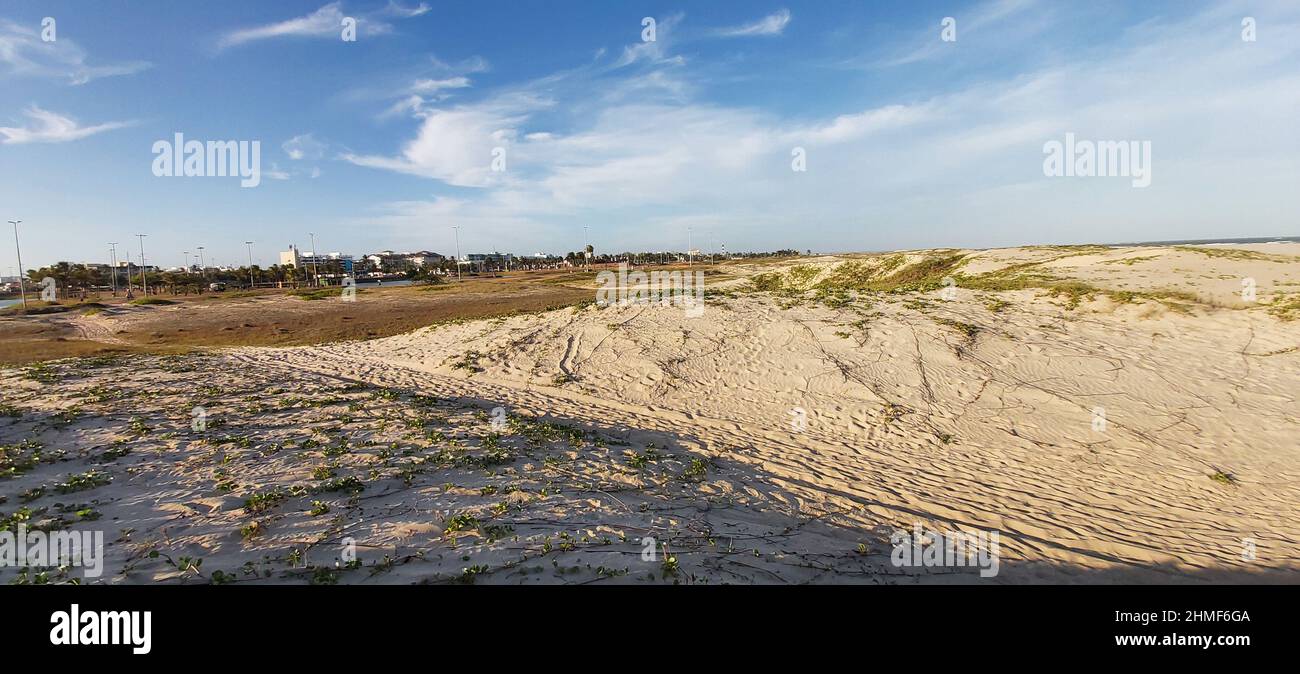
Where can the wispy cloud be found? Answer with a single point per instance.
(23, 53)
(655, 159)
(304, 147)
(51, 127)
(394, 9)
(772, 24)
(326, 22)
(996, 21)
(656, 51)
(415, 89)
(455, 145)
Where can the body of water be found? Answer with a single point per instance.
(386, 284)
(1211, 242)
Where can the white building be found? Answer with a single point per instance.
(296, 259)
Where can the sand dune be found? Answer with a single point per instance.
(780, 437)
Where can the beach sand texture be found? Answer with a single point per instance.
(779, 437)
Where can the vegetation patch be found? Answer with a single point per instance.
(83, 481)
(892, 275)
(1286, 308)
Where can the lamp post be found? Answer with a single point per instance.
(315, 277)
(144, 279)
(22, 287)
(251, 283)
(112, 248)
(456, 229)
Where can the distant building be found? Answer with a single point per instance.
(388, 261)
(124, 268)
(423, 258)
(296, 258)
(540, 261)
(490, 261)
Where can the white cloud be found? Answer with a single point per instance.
(773, 24)
(471, 65)
(992, 23)
(422, 93)
(394, 9)
(655, 52)
(954, 168)
(23, 53)
(413, 90)
(51, 127)
(431, 86)
(304, 146)
(856, 125)
(454, 146)
(326, 22)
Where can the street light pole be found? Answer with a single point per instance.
(130, 278)
(22, 287)
(690, 256)
(251, 283)
(203, 271)
(456, 228)
(315, 277)
(144, 279)
(112, 246)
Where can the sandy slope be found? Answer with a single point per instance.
(958, 414)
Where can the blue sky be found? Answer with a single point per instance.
(387, 142)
